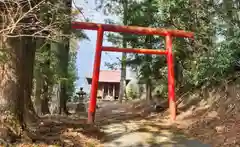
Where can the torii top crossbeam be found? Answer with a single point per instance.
(132, 29)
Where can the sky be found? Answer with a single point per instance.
(86, 50)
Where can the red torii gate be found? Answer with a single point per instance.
(134, 30)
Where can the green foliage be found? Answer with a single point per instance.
(56, 58)
(72, 74)
(132, 94)
(204, 61)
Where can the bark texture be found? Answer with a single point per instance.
(16, 74)
(64, 55)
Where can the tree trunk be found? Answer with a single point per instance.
(122, 90)
(16, 74)
(9, 80)
(45, 106)
(47, 77)
(228, 8)
(63, 65)
(63, 99)
(64, 60)
(38, 92)
(149, 91)
(27, 62)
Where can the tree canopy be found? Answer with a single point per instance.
(210, 58)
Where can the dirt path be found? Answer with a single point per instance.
(116, 126)
(140, 132)
(145, 134)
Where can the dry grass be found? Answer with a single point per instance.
(213, 119)
(63, 131)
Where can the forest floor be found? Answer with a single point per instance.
(117, 125)
(200, 124)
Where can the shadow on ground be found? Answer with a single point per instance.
(116, 126)
(146, 134)
(63, 131)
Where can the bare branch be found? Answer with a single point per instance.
(79, 10)
(25, 14)
(19, 18)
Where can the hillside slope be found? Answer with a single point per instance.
(212, 114)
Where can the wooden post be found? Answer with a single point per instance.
(114, 91)
(171, 89)
(108, 90)
(103, 91)
(95, 77)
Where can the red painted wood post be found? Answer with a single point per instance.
(95, 76)
(171, 89)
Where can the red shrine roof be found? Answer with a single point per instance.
(107, 76)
